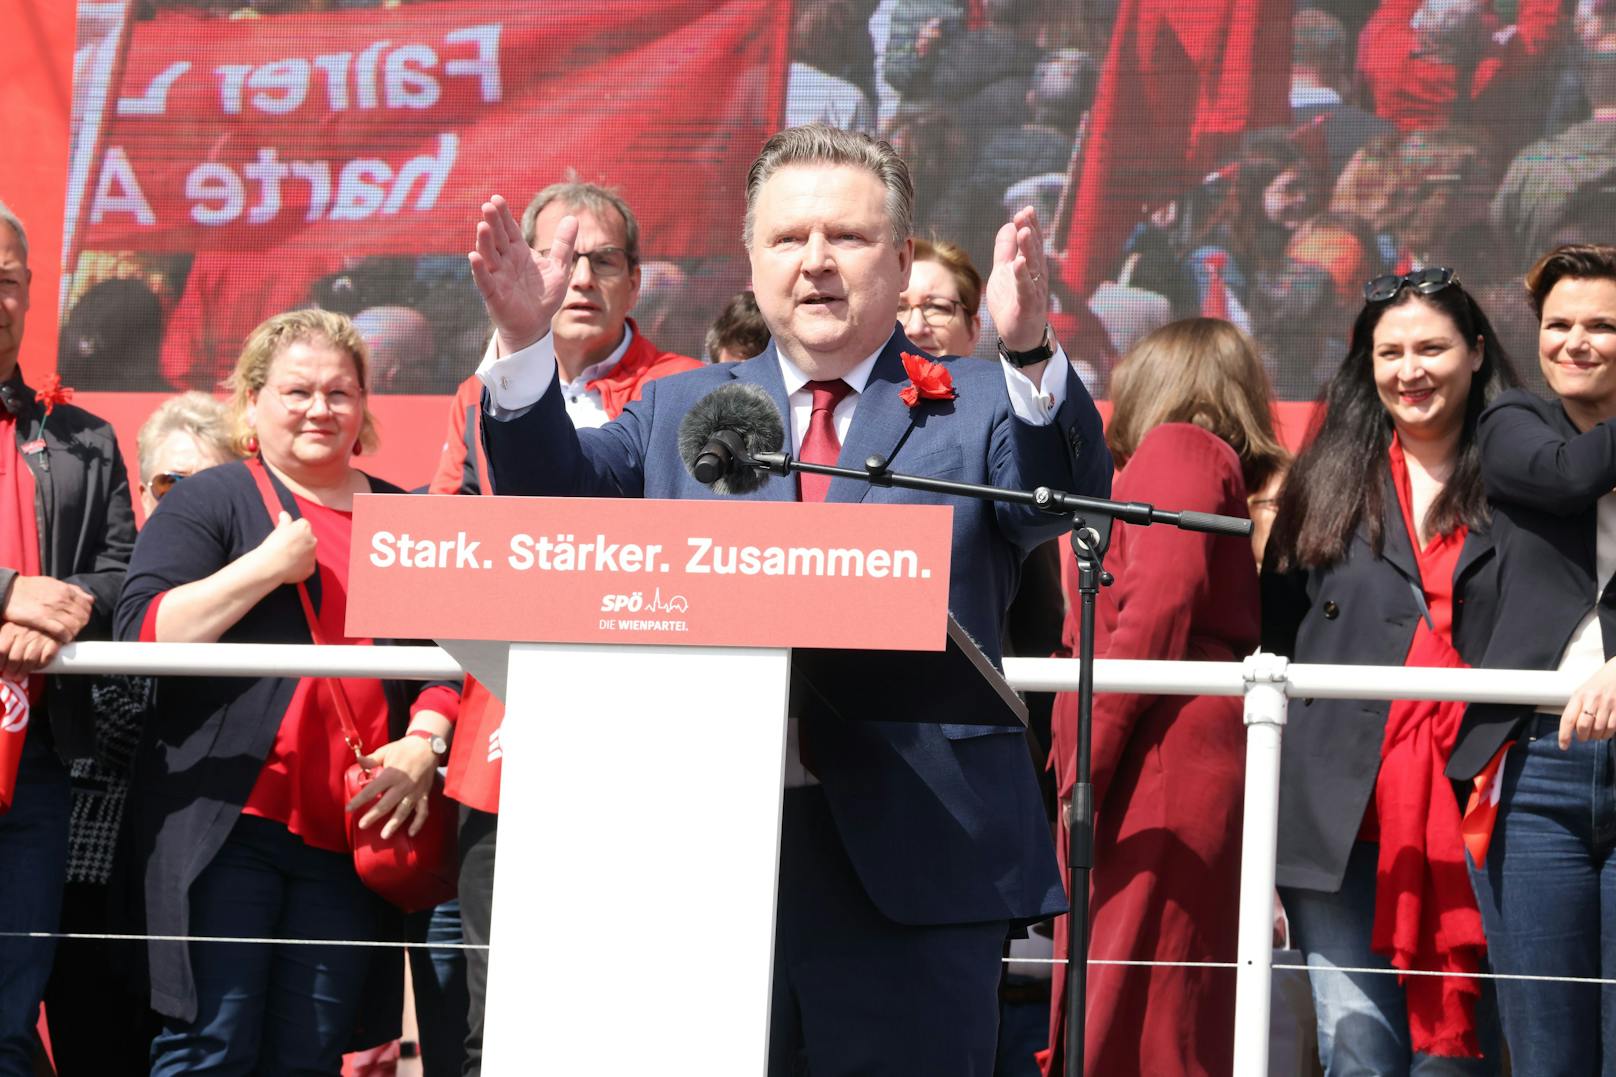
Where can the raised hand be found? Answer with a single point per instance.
(1018, 287)
(521, 290)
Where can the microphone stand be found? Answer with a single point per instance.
(1089, 543)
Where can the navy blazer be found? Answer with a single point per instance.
(943, 822)
(201, 756)
(1360, 611)
(1545, 478)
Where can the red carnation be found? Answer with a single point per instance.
(52, 392)
(927, 381)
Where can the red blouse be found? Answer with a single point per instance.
(301, 781)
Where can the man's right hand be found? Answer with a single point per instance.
(521, 290)
(59, 610)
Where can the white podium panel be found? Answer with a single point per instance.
(639, 836)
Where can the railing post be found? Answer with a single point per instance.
(1265, 676)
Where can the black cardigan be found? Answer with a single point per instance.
(1359, 611)
(1545, 479)
(202, 755)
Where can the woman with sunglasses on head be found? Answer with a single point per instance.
(1380, 555)
(186, 434)
(1545, 873)
(238, 800)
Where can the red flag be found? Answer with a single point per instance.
(1183, 80)
(380, 131)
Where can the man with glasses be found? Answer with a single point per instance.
(604, 362)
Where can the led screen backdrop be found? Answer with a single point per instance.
(1231, 157)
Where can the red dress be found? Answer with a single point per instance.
(1168, 773)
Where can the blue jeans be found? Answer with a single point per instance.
(439, 976)
(263, 1008)
(1363, 1018)
(33, 869)
(1548, 902)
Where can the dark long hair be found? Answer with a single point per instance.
(1337, 484)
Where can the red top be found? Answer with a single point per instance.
(19, 526)
(301, 781)
(1436, 562)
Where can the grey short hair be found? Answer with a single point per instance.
(576, 194)
(8, 217)
(198, 414)
(821, 144)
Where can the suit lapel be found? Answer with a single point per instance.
(879, 420)
(764, 372)
(1397, 545)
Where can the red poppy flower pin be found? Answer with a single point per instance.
(927, 381)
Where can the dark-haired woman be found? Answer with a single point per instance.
(1379, 555)
(1546, 882)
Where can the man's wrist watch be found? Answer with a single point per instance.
(440, 747)
(1044, 350)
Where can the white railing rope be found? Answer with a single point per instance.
(1266, 681)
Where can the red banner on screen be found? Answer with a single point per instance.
(1183, 80)
(380, 131)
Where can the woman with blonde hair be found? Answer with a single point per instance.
(1192, 428)
(238, 792)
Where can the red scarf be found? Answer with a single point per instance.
(1425, 912)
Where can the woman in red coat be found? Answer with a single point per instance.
(1192, 429)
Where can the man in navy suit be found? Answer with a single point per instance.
(909, 849)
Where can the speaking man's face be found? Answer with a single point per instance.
(14, 281)
(825, 269)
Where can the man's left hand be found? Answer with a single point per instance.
(1018, 288)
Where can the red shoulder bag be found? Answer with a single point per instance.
(413, 873)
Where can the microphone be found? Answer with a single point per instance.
(719, 437)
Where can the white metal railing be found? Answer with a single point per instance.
(1266, 681)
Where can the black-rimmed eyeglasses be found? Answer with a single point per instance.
(1424, 281)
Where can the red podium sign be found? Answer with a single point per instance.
(628, 570)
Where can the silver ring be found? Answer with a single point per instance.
(1036, 277)
(405, 802)
(1585, 710)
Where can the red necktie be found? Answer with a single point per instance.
(820, 445)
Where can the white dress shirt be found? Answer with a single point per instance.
(584, 405)
(1586, 651)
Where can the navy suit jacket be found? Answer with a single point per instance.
(943, 822)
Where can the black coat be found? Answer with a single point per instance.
(1359, 611)
(1545, 479)
(86, 524)
(200, 759)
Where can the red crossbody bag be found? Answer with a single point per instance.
(413, 873)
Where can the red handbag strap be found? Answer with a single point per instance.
(272, 504)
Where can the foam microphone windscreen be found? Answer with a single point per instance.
(747, 415)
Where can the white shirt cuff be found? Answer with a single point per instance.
(1037, 404)
(516, 382)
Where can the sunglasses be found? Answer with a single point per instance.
(162, 482)
(1423, 281)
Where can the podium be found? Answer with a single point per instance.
(647, 684)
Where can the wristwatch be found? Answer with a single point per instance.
(440, 747)
(1044, 350)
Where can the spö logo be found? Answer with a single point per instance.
(13, 707)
